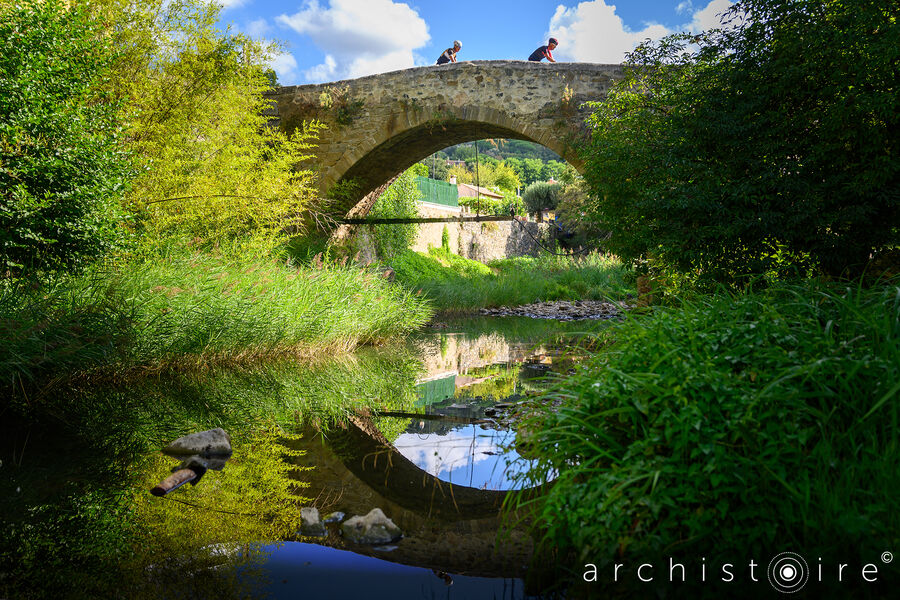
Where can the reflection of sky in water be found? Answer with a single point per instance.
(467, 455)
(298, 570)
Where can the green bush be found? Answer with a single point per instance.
(736, 425)
(400, 200)
(541, 195)
(63, 168)
(719, 152)
(212, 174)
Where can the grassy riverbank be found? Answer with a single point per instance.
(456, 284)
(734, 426)
(191, 311)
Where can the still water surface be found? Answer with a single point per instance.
(425, 432)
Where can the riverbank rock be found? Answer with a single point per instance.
(374, 528)
(213, 442)
(335, 517)
(563, 310)
(310, 522)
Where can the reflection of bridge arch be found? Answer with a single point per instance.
(451, 527)
(374, 460)
(380, 125)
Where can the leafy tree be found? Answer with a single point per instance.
(553, 169)
(462, 174)
(62, 168)
(541, 196)
(506, 178)
(490, 174)
(398, 201)
(437, 168)
(212, 172)
(723, 153)
(482, 161)
(532, 169)
(419, 169)
(462, 152)
(579, 230)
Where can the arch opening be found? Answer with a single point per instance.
(370, 176)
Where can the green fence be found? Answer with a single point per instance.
(438, 192)
(436, 390)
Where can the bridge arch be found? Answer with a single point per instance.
(379, 125)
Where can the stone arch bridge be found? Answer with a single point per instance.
(378, 126)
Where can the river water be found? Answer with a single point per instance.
(426, 431)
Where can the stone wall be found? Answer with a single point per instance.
(500, 239)
(484, 242)
(430, 234)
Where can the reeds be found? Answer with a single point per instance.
(193, 311)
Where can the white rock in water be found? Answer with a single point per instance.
(214, 442)
(374, 528)
(310, 523)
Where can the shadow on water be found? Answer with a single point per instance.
(77, 521)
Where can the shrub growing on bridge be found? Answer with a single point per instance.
(773, 139)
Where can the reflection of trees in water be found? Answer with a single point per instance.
(85, 525)
(186, 538)
(96, 532)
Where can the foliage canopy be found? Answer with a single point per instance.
(773, 137)
(62, 168)
(212, 173)
(541, 195)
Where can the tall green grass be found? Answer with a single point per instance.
(193, 310)
(733, 426)
(457, 284)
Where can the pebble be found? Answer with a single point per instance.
(562, 310)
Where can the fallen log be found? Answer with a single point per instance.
(174, 481)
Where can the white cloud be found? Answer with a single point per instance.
(259, 28)
(593, 32)
(359, 37)
(437, 454)
(684, 7)
(324, 72)
(709, 17)
(285, 66)
(231, 3)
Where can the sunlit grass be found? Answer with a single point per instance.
(456, 284)
(194, 311)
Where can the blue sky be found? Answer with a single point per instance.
(329, 40)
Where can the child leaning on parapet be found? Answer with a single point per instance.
(449, 55)
(544, 52)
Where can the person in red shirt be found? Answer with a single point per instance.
(544, 52)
